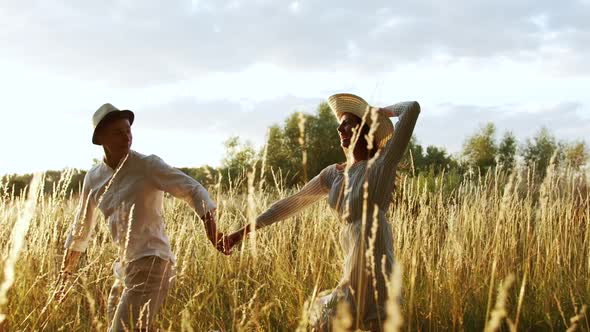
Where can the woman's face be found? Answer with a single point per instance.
(116, 136)
(348, 122)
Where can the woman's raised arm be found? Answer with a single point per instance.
(408, 115)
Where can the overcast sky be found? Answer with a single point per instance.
(197, 72)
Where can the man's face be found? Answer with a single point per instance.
(116, 136)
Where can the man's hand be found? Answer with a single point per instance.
(223, 244)
(61, 286)
(218, 239)
(69, 265)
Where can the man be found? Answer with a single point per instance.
(128, 188)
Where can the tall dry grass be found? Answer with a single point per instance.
(499, 251)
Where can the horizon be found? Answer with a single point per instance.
(457, 155)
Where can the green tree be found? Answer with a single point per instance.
(480, 149)
(206, 175)
(433, 160)
(507, 151)
(278, 156)
(576, 155)
(322, 140)
(292, 133)
(537, 152)
(436, 160)
(239, 157)
(16, 184)
(318, 140)
(414, 156)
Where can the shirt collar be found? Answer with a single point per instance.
(106, 166)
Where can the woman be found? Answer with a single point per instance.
(374, 164)
(128, 188)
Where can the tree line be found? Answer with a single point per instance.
(304, 144)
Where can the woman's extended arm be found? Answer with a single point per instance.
(313, 191)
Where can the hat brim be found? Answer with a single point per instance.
(114, 115)
(348, 103)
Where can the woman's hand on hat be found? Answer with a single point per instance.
(388, 111)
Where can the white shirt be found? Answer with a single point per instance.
(132, 205)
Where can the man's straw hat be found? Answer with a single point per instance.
(348, 103)
(106, 113)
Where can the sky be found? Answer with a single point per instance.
(197, 72)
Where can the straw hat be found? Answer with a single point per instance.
(348, 103)
(106, 113)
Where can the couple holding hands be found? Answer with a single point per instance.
(128, 187)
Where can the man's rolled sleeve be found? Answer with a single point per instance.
(180, 185)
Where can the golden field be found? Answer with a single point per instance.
(496, 252)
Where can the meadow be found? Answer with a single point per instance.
(495, 251)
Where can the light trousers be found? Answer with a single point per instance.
(138, 293)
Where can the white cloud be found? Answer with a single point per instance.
(294, 7)
(246, 118)
(235, 67)
(153, 41)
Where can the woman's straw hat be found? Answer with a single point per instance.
(108, 112)
(348, 103)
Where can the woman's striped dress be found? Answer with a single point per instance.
(363, 283)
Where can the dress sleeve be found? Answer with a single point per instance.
(179, 185)
(402, 133)
(84, 221)
(316, 189)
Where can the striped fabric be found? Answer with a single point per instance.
(363, 271)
